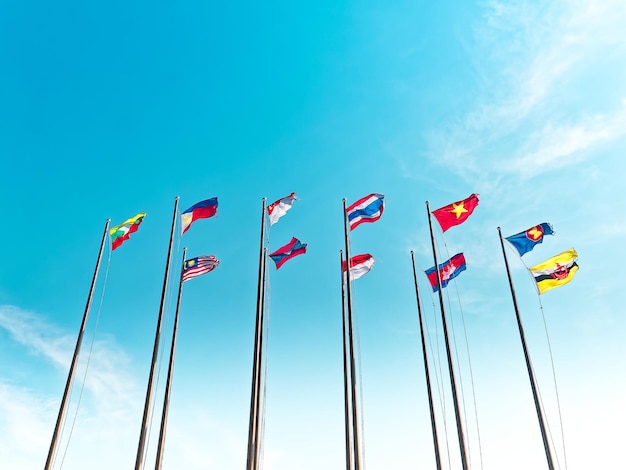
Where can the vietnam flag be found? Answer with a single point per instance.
(456, 213)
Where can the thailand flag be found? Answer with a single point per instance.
(367, 209)
(447, 271)
(359, 265)
(201, 210)
(279, 208)
(294, 248)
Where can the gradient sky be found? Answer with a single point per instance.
(110, 109)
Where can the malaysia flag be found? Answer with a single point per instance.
(294, 248)
(201, 210)
(367, 209)
(279, 208)
(359, 266)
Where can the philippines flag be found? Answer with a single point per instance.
(367, 209)
(279, 208)
(294, 248)
(201, 210)
(359, 265)
(447, 271)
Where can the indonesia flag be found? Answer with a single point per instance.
(279, 208)
(367, 209)
(201, 210)
(359, 265)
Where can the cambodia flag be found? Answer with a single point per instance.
(524, 242)
(447, 271)
(359, 266)
(201, 210)
(456, 213)
(290, 250)
(367, 209)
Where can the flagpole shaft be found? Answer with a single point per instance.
(355, 414)
(170, 372)
(457, 411)
(260, 370)
(155, 349)
(426, 370)
(79, 340)
(251, 463)
(346, 377)
(529, 366)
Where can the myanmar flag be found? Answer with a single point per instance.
(121, 233)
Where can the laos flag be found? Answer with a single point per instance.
(201, 210)
(367, 209)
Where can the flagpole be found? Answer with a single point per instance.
(426, 372)
(155, 350)
(251, 463)
(355, 424)
(170, 371)
(260, 383)
(346, 378)
(79, 340)
(529, 367)
(457, 411)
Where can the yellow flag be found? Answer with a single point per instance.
(556, 271)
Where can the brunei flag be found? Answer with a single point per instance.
(556, 271)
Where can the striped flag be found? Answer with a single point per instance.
(367, 209)
(198, 266)
(359, 266)
(121, 233)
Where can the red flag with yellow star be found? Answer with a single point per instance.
(456, 213)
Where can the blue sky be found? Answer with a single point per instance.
(112, 109)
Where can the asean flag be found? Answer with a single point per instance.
(201, 210)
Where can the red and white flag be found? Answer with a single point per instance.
(279, 208)
(359, 265)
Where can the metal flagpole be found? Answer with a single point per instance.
(355, 424)
(457, 412)
(260, 387)
(251, 463)
(531, 375)
(155, 350)
(430, 394)
(346, 374)
(170, 371)
(79, 340)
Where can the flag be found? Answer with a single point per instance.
(198, 266)
(526, 241)
(367, 209)
(121, 233)
(359, 265)
(447, 271)
(279, 208)
(285, 253)
(456, 213)
(556, 271)
(201, 210)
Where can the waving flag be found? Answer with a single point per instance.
(367, 209)
(201, 210)
(279, 208)
(556, 271)
(290, 250)
(447, 271)
(359, 265)
(198, 266)
(456, 213)
(121, 233)
(524, 242)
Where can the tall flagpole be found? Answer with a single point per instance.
(529, 367)
(260, 383)
(79, 340)
(155, 350)
(457, 411)
(170, 371)
(430, 394)
(346, 376)
(355, 423)
(251, 463)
